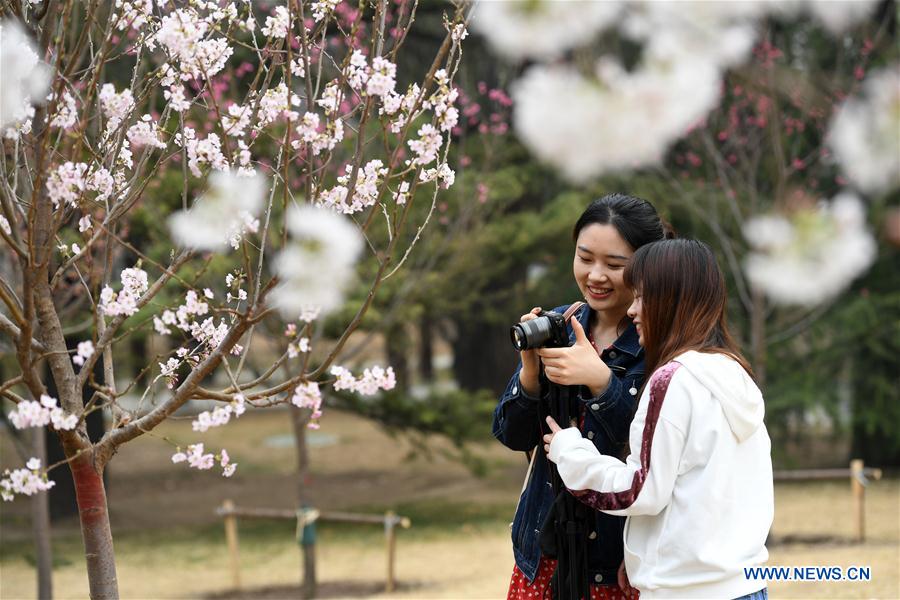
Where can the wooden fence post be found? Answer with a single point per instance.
(390, 532)
(231, 536)
(858, 489)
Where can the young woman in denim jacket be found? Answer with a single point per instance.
(606, 360)
(697, 484)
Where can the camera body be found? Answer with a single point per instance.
(547, 330)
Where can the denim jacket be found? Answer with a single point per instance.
(607, 418)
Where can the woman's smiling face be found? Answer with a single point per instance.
(600, 258)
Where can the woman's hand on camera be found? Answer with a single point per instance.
(578, 364)
(531, 363)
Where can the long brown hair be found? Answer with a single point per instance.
(683, 300)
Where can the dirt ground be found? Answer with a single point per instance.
(170, 544)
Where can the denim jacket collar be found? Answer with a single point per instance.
(628, 341)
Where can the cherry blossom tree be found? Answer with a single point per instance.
(294, 153)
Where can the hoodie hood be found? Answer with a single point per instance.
(729, 383)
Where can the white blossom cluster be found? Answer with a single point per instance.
(124, 302)
(183, 316)
(320, 138)
(427, 147)
(27, 481)
(237, 120)
(208, 335)
(404, 108)
(276, 103)
(115, 106)
(220, 415)
(542, 29)
(66, 183)
(442, 102)
(587, 122)
(174, 91)
(321, 8)
(864, 133)
(133, 14)
(330, 99)
(402, 193)
(401, 106)
(443, 174)
(104, 183)
(169, 369)
(202, 151)
(278, 24)
(377, 79)
(812, 255)
(223, 215)
(198, 459)
(459, 32)
(183, 35)
(66, 114)
(25, 79)
(146, 133)
(308, 395)
(295, 349)
(84, 351)
(317, 264)
(365, 192)
(372, 380)
(39, 414)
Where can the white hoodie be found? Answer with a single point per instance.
(697, 487)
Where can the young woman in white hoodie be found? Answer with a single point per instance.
(697, 486)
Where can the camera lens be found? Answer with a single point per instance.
(530, 334)
(518, 337)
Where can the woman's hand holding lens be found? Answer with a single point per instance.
(531, 363)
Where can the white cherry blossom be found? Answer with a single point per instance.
(812, 255)
(221, 214)
(542, 29)
(318, 263)
(864, 133)
(25, 77)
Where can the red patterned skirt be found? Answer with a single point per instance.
(539, 589)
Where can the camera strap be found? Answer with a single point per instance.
(573, 308)
(563, 534)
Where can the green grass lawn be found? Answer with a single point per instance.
(170, 544)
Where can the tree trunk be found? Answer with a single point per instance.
(95, 530)
(40, 524)
(426, 349)
(62, 495)
(483, 356)
(758, 337)
(300, 419)
(397, 342)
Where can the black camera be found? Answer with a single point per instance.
(548, 330)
